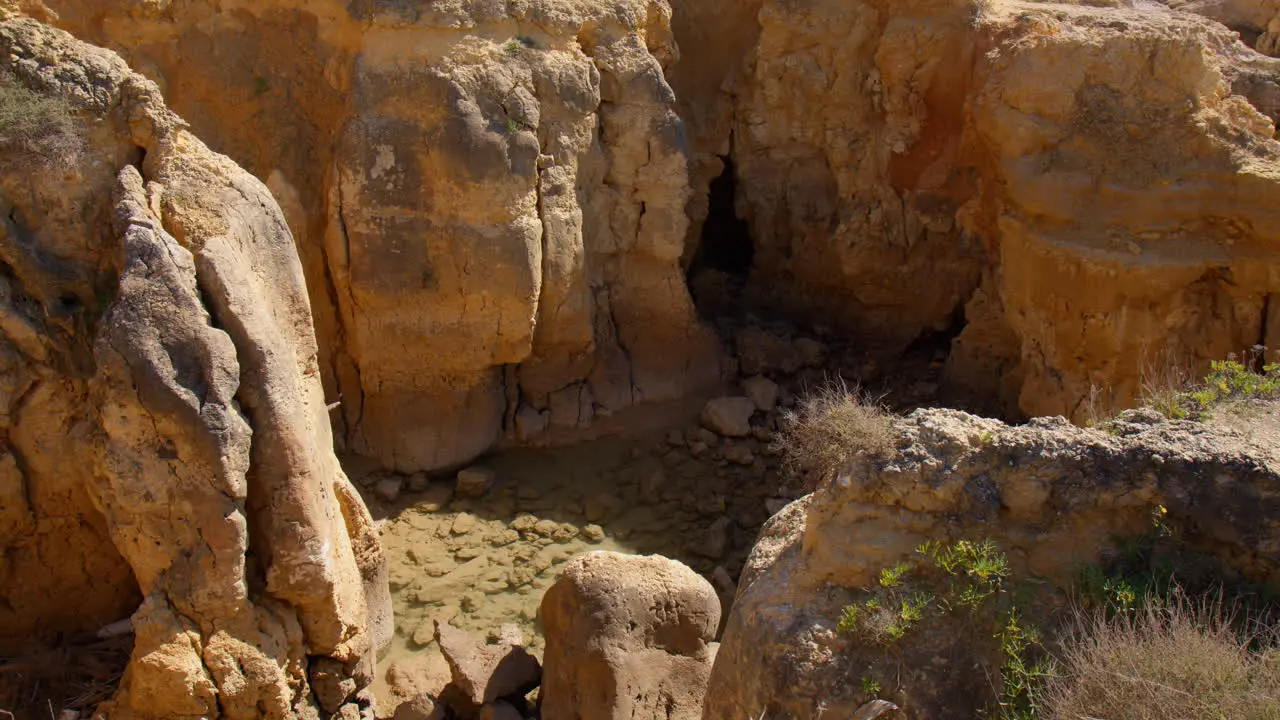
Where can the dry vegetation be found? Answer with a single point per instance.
(35, 130)
(830, 428)
(1180, 660)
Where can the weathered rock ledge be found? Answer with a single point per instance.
(1051, 495)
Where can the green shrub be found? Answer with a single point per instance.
(1167, 388)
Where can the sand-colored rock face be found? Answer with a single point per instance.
(490, 201)
(167, 438)
(1130, 210)
(494, 200)
(1051, 496)
(1015, 169)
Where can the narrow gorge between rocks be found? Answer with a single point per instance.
(605, 359)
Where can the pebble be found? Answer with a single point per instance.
(388, 489)
(418, 482)
(564, 533)
(739, 455)
(463, 523)
(475, 481)
(593, 533)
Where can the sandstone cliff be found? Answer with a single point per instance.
(493, 200)
(1050, 495)
(167, 451)
(1074, 188)
(489, 200)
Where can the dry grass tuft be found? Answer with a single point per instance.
(35, 130)
(1165, 379)
(830, 428)
(1182, 660)
(70, 675)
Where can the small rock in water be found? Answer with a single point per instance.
(593, 533)
(418, 482)
(762, 391)
(546, 528)
(463, 524)
(475, 481)
(564, 533)
(715, 542)
(436, 497)
(739, 454)
(729, 416)
(500, 711)
(388, 489)
(419, 708)
(425, 633)
(703, 436)
(504, 538)
(524, 523)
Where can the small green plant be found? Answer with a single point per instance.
(891, 577)
(1231, 380)
(1024, 671)
(1169, 390)
(520, 42)
(870, 686)
(979, 569)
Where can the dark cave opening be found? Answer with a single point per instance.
(726, 243)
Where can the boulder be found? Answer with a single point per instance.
(419, 708)
(627, 637)
(729, 416)
(475, 481)
(762, 391)
(388, 489)
(714, 542)
(483, 672)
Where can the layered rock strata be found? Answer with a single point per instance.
(489, 201)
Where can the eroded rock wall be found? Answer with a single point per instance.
(168, 443)
(1053, 498)
(489, 200)
(1077, 189)
(494, 201)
